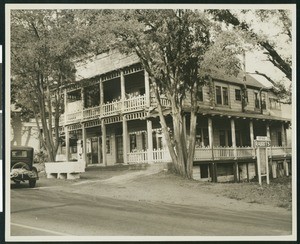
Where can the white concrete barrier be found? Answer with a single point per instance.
(64, 170)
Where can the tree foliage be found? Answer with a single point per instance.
(269, 29)
(43, 44)
(179, 49)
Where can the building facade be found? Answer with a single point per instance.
(110, 117)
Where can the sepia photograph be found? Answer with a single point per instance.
(148, 122)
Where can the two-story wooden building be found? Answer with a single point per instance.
(110, 118)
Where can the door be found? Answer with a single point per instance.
(94, 150)
(119, 147)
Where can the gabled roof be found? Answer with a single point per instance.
(250, 80)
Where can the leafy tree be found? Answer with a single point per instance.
(179, 49)
(43, 45)
(276, 47)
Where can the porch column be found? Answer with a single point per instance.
(67, 143)
(149, 141)
(283, 135)
(251, 133)
(268, 130)
(103, 129)
(211, 138)
(233, 138)
(84, 156)
(125, 139)
(122, 78)
(101, 91)
(210, 132)
(147, 89)
(99, 150)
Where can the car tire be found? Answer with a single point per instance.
(32, 183)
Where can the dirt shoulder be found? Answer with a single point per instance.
(155, 185)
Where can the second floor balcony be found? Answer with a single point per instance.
(113, 108)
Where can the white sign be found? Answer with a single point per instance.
(262, 138)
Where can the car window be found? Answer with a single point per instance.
(19, 154)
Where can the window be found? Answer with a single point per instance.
(132, 142)
(274, 103)
(225, 95)
(238, 96)
(256, 100)
(107, 145)
(200, 94)
(222, 95)
(263, 101)
(218, 95)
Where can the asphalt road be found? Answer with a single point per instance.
(47, 212)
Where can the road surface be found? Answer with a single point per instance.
(48, 212)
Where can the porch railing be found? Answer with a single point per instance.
(137, 157)
(161, 155)
(89, 113)
(280, 151)
(158, 156)
(112, 108)
(223, 153)
(73, 117)
(203, 153)
(245, 152)
(134, 103)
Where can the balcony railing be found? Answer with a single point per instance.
(74, 117)
(91, 113)
(279, 151)
(112, 108)
(134, 103)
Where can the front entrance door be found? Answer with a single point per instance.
(119, 145)
(94, 150)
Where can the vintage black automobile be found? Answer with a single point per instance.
(21, 167)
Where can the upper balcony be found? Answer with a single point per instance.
(116, 107)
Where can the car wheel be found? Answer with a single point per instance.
(32, 183)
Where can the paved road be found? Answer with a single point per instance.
(47, 212)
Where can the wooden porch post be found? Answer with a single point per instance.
(122, 78)
(251, 133)
(99, 150)
(103, 129)
(84, 156)
(210, 132)
(268, 130)
(149, 141)
(125, 139)
(233, 138)
(283, 136)
(147, 88)
(211, 136)
(101, 91)
(67, 138)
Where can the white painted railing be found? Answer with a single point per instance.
(112, 108)
(89, 113)
(137, 157)
(164, 102)
(72, 117)
(134, 103)
(223, 153)
(280, 151)
(245, 152)
(161, 155)
(203, 153)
